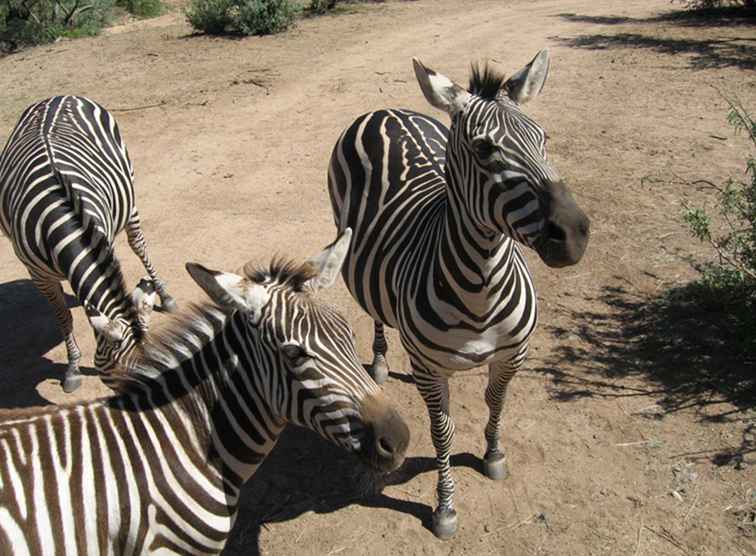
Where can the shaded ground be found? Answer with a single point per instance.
(631, 432)
(704, 51)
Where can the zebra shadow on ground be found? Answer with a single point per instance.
(703, 53)
(304, 473)
(27, 332)
(689, 353)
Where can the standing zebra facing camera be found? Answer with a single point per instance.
(438, 217)
(66, 191)
(158, 469)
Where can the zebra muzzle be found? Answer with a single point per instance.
(565, 235)
(388, 435)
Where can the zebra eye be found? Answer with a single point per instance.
(295, 355)
(483, 149)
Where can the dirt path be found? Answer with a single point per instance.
(615, 444)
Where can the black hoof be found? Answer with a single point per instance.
(71, 383)
(444, 524)
(495, 466)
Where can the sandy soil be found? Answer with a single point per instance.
(632, 430)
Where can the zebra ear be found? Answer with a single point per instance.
(112, 330)
(230, 291)
(328, 262)
(527, 83)
(439, 90)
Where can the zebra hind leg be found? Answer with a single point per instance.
(434, 389)
(379, 368)
(139, 246)
(53, 292)
(495, 461)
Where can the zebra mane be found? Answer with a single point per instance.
(189, 331)
(164, 349)
(284, 271)
(485, 81)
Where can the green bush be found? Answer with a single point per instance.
(246, 17)
(734, 272)
(264, 17)
(214, 17)
(142, 8)
(321, 6)
(29, 22)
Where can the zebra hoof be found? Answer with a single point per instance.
(495, 466)
(71, 383)
(444, 524)
(379, 372)
(168, 304)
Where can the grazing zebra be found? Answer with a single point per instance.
(437, 216)
(160, 467)
(66, 191)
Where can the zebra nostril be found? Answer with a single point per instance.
(384, 447)
(555, 232)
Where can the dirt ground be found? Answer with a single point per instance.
(632, 431)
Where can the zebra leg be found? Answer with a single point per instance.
(434, 388)
(499, 375)
(53, 291)
(379, 369)
(139, 246)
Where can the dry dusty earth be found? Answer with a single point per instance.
(632, 430)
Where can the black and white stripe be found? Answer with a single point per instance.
(438, 215)
(159, 469)
(66, 191)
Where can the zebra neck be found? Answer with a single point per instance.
(209, 371)
(89, 263)
(471, 265)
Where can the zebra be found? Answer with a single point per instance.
(159, 467)
(66, 191)
(438, 216)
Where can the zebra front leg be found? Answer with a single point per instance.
(499, 375)
(139, 246)
(379, 369)
(434, 388)
(53, 292)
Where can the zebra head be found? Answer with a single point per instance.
(497, 166)
(307, 353)
(117, 337)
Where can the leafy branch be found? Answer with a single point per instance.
(736, 204)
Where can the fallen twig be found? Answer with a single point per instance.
(693, 505)
(133, 108)
(638, 541)
(649, 443)
(667, 537)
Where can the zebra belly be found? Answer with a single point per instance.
(462, 349)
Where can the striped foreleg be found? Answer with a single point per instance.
(434, 388)
(139, 246)
(53, 292)
(500, 374)
(379, 369)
